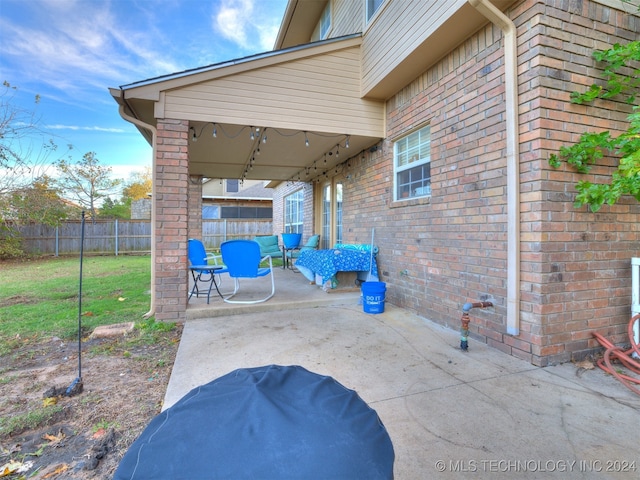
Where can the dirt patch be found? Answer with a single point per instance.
(83, 436)
(17, 300)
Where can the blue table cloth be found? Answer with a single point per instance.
(264, 423)
(327, 263)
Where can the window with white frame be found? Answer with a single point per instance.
(294, 212)
(371, 7)
(233, 185)
(412, 165)
(325, 21)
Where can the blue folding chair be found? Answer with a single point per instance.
(242, 260)
(201, 270)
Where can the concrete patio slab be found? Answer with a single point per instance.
(293, 291)
(449, 413)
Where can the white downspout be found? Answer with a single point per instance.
(508, 28)
(154, 131)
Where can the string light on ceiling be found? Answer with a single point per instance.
(339, 167)
(260, 134)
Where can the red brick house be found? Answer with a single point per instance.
(431, 122)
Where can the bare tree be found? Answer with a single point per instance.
(87, 182)
(25, 152)
(25, 148)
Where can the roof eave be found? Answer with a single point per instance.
(298, 23)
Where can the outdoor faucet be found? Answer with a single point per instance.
(464, 329)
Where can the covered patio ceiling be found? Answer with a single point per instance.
(269, 153)
(289, 115)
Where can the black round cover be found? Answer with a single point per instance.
(271, 422)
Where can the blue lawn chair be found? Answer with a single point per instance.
(242, 260)
(201, 270)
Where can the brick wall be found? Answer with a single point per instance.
(437, 254)
(195, 206)
(278, 208)
(171, 226)
(576, 264)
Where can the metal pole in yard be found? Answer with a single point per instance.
(76, 385)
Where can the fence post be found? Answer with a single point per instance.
(57, 240)
(116, 233)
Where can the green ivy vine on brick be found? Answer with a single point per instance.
(622, 78)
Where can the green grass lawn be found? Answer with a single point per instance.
(40, 297)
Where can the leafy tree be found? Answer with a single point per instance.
(140, 185)
(86, 181)
(40, 203)
(37, 203)
(622, 78)
(119, 209)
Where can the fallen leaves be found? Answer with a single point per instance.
(586, 364)
(14, 466)
(58, 469)
(54, 439)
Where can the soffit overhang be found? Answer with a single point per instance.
(436, 41)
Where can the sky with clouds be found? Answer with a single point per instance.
(69, 52)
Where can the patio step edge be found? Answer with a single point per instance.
(228, 309)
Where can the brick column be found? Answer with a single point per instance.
(171, 220)
(195, 207)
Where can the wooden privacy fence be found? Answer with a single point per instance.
(115, 237)
(214, 232)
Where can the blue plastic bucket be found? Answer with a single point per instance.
(373, 294)
(291, 240)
